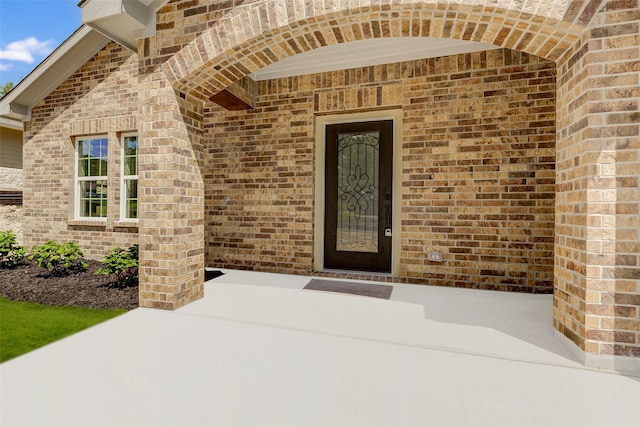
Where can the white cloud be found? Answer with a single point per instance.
(24, 50)
(5, 67)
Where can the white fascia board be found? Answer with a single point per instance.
(15, 111)
(93, 10)
(72, 54)
(11, 124)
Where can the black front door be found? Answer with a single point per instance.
(358, 183)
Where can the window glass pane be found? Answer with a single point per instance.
(131, 145)
(84, 147)
(83, 167)
(101, 209)
(94, 167)
(102, 148)
(101, 189)
(131, 155)
(96, 147)
(85, 198)
(93, 198)
(131, 166)
(93, 155)
(132, 209)
(132, 189)
(131, 200)
(130, 169)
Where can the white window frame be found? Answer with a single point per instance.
(124, 178)
(78, 179)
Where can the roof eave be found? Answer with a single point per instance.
(11, 123)
(122, 21)
(72, 54)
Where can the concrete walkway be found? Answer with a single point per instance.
(260, 351)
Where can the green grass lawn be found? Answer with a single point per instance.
(27, 326)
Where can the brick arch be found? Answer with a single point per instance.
(264, 33)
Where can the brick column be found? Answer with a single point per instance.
(597, 271)
(171, 227)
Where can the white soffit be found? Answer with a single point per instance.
(123, 21)
(366, 53)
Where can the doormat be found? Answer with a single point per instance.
(363, 289)
(212, 274)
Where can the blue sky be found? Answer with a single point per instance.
(30, 30)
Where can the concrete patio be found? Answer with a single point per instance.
(260, 351)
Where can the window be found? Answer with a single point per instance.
(129, 177)
(91, 177)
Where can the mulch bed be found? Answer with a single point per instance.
(31, 283)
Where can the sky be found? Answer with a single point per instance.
(30, 30)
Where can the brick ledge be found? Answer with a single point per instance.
(87, 223)
(125, 224)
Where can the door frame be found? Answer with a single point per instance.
(321, 123)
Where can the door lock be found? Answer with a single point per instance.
(387, 214)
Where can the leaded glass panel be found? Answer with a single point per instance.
(358, 188)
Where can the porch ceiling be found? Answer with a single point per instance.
(368, 52)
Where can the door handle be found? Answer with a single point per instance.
(387, 214)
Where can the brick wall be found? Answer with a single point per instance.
(99, 98)
(598, 190)
(485, 132)
(206, 45)
(172, 196)
(478, 154)
(478, 148)
(177, 24)
(259, 181)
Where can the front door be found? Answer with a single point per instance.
(358, 183)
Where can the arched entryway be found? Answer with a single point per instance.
(259, 35)
(250, 37)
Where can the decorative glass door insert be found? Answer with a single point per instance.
(358, 176)
(358, 188)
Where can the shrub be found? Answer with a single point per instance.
(60, 260)
(11, 253)
(124, 264)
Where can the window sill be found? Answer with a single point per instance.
(125, 224)
(88, 223)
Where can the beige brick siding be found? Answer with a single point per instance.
(613, 247)
(482, 124)
(259, 202)
(203, 62)
(597, 272)
(172, 197)
(100, 98)
(258, 33)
